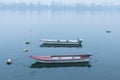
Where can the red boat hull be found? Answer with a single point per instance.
(62, 58)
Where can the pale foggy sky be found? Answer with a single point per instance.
(67, 2)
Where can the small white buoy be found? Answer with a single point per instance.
(26, 50)
(80, 40)
(9, 61)
(90, 54)
(108, 31)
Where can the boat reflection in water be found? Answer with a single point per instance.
(62, 45)
(55, 65)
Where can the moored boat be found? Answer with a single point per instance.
(62, 58)
(61, 42)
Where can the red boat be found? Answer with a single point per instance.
(62, 58)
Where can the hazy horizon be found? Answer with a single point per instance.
(66, 2)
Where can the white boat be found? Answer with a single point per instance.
(61, 42)
(62, 58)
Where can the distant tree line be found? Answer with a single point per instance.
(54, 6)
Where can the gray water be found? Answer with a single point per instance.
(16, 27)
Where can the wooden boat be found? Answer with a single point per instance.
(62, 58)
(61, 42)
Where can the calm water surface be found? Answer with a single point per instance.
(16, 27)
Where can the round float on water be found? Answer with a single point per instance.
(26, 50)
(27, 42)
(80, 40)
(9, 61)
(108, 31)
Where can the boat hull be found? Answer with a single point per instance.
(63, 61)
(61, 42)
(62, 58)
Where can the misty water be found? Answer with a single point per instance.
(17, 27)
